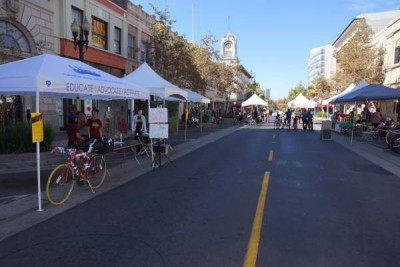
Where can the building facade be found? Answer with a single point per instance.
(119, 40)
(321, 63)
(26, 30)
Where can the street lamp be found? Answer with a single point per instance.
(83, 32)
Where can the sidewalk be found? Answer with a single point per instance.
(21, 212)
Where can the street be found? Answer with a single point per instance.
(325, 206)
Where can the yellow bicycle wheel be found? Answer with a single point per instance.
(60, 184)
(97, 171)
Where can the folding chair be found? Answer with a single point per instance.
(145, 147)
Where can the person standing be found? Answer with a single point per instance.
(376, 118)
(310, 124)
(94, 125)
(74, 137)
(304, 119)
(82, 121)
(288, 115)
(139, 123)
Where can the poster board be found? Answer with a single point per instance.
(158, 130)
(158, 115)
(326, 130)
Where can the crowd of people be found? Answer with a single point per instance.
(291, 119)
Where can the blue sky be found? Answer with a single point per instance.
(274, 37)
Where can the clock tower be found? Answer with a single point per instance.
(229, 49)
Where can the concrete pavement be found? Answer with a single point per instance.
(20, 212)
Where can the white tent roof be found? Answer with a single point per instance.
(158, 86)
(332, 98)
(301, 101)
(55, 76)
(361, 84)
(351, 87)
(196, 97)
(254, 100)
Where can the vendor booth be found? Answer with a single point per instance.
(371, 92)
(54, 76)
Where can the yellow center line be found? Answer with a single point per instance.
(271, 154)
(252, 248)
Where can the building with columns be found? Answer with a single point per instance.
(119, 41)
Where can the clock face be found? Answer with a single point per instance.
(228, 45)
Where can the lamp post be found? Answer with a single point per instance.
(83, 32)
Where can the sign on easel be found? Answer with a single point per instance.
(326, 130)
(158, 130)
(158, 115)
(158, 119)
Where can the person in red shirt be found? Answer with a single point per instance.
(74, 137)
(94, 125)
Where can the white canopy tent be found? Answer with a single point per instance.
(158, 86)
(351, 88)
(255, 100)
(54, 76)
(196, 97)
(332, 98)
(301, 101)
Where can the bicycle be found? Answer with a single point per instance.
(88, 167)
(390, 135)
(277, 123)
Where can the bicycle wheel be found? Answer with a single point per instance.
(388, 137)
(97, 171)
(60, 184)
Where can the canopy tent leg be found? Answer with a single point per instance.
(151, 140)
(38, 161)
(354, 123)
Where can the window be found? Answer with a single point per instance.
(131, 46)
(99, 33)
(12, 38)
(76, 14)
(117, 40)
(144, 51)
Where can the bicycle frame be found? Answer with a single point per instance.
(79, 162)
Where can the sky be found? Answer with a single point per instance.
(274, 37)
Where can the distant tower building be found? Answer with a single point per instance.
(229, 49)
(321, 63)
(267, 93)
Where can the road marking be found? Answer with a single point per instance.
(273, 136)
(252, 247)
(271, 154)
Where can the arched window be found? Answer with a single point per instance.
(12, 38)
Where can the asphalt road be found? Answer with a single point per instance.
(325, 206)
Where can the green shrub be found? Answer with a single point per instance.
(321, 114)
(18, 139)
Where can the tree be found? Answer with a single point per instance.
(358, 59)
(296, 91)
(320, 88)
(224, 79)
(281, 104)
(254, 88)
